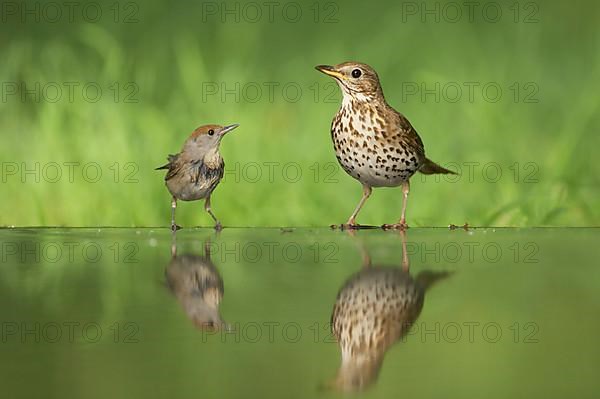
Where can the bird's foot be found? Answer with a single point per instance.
(350, 226)
(346, 226)
(465, 227)
(355, 226)
(218, 226)
(396, 226)
(175, 227)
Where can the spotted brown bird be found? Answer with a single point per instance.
(198, 286)
(373, 142)
(373, 310)
(196, 171)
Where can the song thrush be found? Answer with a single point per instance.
(373, 142)
(373, 310)
(196, 171)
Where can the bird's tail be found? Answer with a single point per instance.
(428, 278)
(430, 168)
(171, 158)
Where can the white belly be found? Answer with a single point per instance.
(371, 163)
(191, 192)
(368, 173)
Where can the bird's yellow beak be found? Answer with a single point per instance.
(329, 70)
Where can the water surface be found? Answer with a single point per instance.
(127, 313)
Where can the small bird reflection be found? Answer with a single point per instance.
(375, 308)
(197, 285)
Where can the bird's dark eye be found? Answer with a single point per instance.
(356, 73)
(211, 132)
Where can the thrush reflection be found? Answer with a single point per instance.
(197, 285)
(373, 309)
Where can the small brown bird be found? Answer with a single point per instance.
(196, 171)
(198, 286)
(373, 310)
(373, 142)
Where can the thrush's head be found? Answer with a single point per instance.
(206, 138)
(357, 80)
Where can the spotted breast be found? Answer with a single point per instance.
(375, 144)
(374, 309)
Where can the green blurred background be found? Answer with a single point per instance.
(158, 66)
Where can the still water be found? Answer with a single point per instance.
(299, 313)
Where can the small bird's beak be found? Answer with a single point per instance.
(329, 70)
(228, 129)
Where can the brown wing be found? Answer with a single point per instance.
(173, 166)
(407, 133)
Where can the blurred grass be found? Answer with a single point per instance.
(171, 53)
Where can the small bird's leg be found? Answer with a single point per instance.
(402, 223)
(351, 223)
(218, 225)
(174, 227)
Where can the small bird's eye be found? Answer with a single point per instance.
(211, 132)
(356, 73)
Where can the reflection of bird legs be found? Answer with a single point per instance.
(366, 258)
(405, 261)
(174, 244)
(207, 248)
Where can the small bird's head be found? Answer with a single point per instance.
(208, 319)
(207, 138)
(356, 80)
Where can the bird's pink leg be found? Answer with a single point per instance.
(405, 191)
(351, 223)
(174, 227)
(402, 223)
(218, 225)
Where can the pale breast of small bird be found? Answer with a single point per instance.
(198, 286)
(195, 276)
(374, 309)
(193, 179)
(373, 144)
